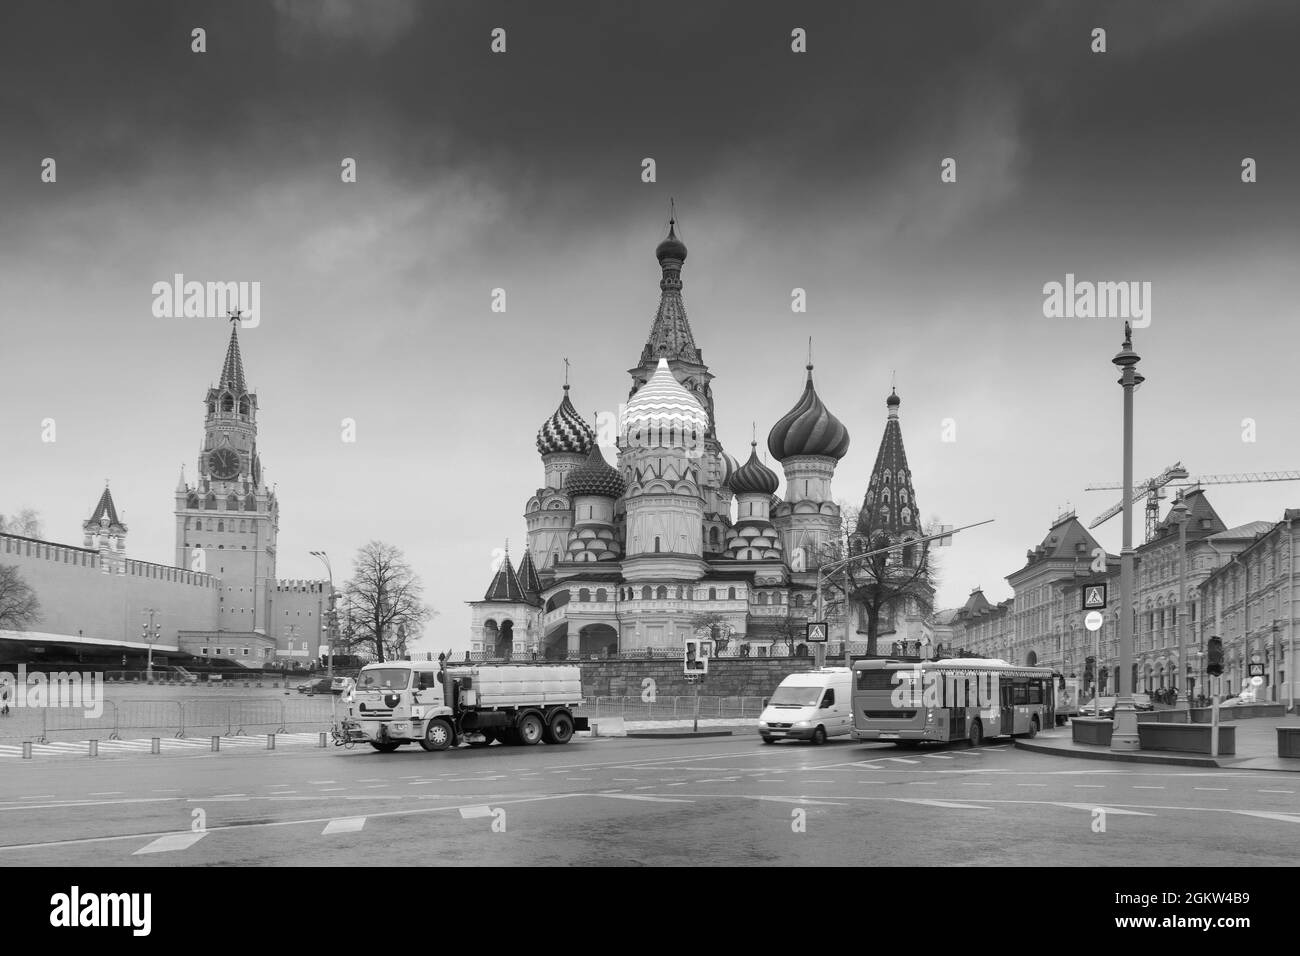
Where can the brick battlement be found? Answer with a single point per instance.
(18, 546)
(298, 584)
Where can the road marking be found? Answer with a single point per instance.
(1031, 785)
(1089, 786)
(1139, 787)
(370, 780)
(314, 782)
(1284, 817)
(645, 787)
(111, 793)
(923, 783)
(344, 825)
(683, 784)
(332, 789)
(625, 779)
(171, 843)
(376, 786)
(977, 784)
(577, 778)
(226, 796)
(1118, 812)
(938, 756)
(801, 801)
(1219, 789)
(642, 796)
(472, 813)
(283, 793)
(806, 781)
(50, 796)
(1277, 791)
(947, 805)
(901, 760)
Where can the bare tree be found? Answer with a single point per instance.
(712, 625)
(26, 523)
(19, 607)
(383, 601)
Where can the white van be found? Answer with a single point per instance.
(812, 705)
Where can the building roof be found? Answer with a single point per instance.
(808, 429)
(670, 333)
(505, 587)
(596, 477)
(105, 507)
(754, 477)
(662, 405)
(528, 578)
(1252, 529)
(1202, 520)
(565, 431)
(889, 506)
(232, 370)
(1066, 540)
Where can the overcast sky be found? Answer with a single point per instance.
(522, 170)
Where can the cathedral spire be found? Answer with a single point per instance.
(670, 333)
(889, 506)
(232, 370)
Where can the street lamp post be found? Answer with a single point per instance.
(150, 635)
(1179, 513)
(329, 672)
(1124, 736)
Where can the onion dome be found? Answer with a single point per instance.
(663, 412)
(808, 429)
(565, 432)
(729, 468)
(671, 247)
(893, 401)
(754, 477)
(595, 477)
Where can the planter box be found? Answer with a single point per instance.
(1186, 738)
(1091, 730)
(1288, 742)
(1202, 715)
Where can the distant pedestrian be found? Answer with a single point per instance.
(4, 698)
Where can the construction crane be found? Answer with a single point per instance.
(1178, 477)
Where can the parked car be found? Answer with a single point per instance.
(1141, 702)
(320, 686)
(1238, 700)
(342, 685)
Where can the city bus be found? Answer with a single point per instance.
(911, 702)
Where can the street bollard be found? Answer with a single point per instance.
(27, 750)
(322, 739)
(94, 748)
(156, 745)
(216, 743)
(270, 741)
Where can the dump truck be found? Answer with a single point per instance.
(441, 707)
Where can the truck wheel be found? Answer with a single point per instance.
(385, 748)
(437, 736)
(530, 730)
(560, 730)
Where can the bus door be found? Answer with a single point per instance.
(1007, 724)
(957, 725)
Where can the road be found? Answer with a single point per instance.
(613, 801)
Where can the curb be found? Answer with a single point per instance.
(1135, 757)
(653, 735)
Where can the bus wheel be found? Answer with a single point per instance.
(437, 736)
(385, 748)
(819, 736)
(1033, 728)
(976, 734)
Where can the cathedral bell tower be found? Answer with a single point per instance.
(226, 521)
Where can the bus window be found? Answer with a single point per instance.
(1035, 692)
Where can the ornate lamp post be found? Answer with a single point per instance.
(1124, 736)
(1179, 514)
(329, 671)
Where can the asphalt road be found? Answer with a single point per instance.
(611, 801)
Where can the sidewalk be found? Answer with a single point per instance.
(1256, 748)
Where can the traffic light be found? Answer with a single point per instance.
(1089, 671)
(1214, 657)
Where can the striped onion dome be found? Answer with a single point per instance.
(565, 432)
(594, 477)
(663, 412)
(729, 468)
(808, 429)
(754, 477)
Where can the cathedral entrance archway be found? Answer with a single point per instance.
(597, 639)
(505, 644)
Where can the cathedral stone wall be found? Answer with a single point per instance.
(78, 598)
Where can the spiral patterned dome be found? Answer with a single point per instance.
(729, 468)
(808, 429)
(565, 431)
(595, 476)
(661, 408)
(754, 477)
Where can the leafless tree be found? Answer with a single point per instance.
(19, 606)
(883, 585)
(714, 626)
(383, 601)
(26, 523)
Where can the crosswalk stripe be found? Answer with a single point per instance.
(171, 842)
(901, 760)
(946, 804)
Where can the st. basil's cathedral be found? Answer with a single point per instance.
(635, 555)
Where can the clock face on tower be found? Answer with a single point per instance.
(224, 463)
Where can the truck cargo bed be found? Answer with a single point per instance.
(512, 685)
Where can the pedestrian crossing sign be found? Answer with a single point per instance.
(816, 632)
(1094, 597)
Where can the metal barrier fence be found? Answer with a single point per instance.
(170, 718)
(672, 708)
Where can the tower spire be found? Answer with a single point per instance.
(232, 369)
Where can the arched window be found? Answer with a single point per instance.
(778, 598)
(656, 544)
(211, 503)
(250, 503)
(227, 403)
(662, 593)
(713, 536)
(221, 526)
(232, 503)
(762, 598)
(731, 594)
(645, 593)
(680, 594)
(212, 408)
(243, 405)
(192, 501)
(584, 595)
(602, 594)
(713, 594)
(243, 525)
